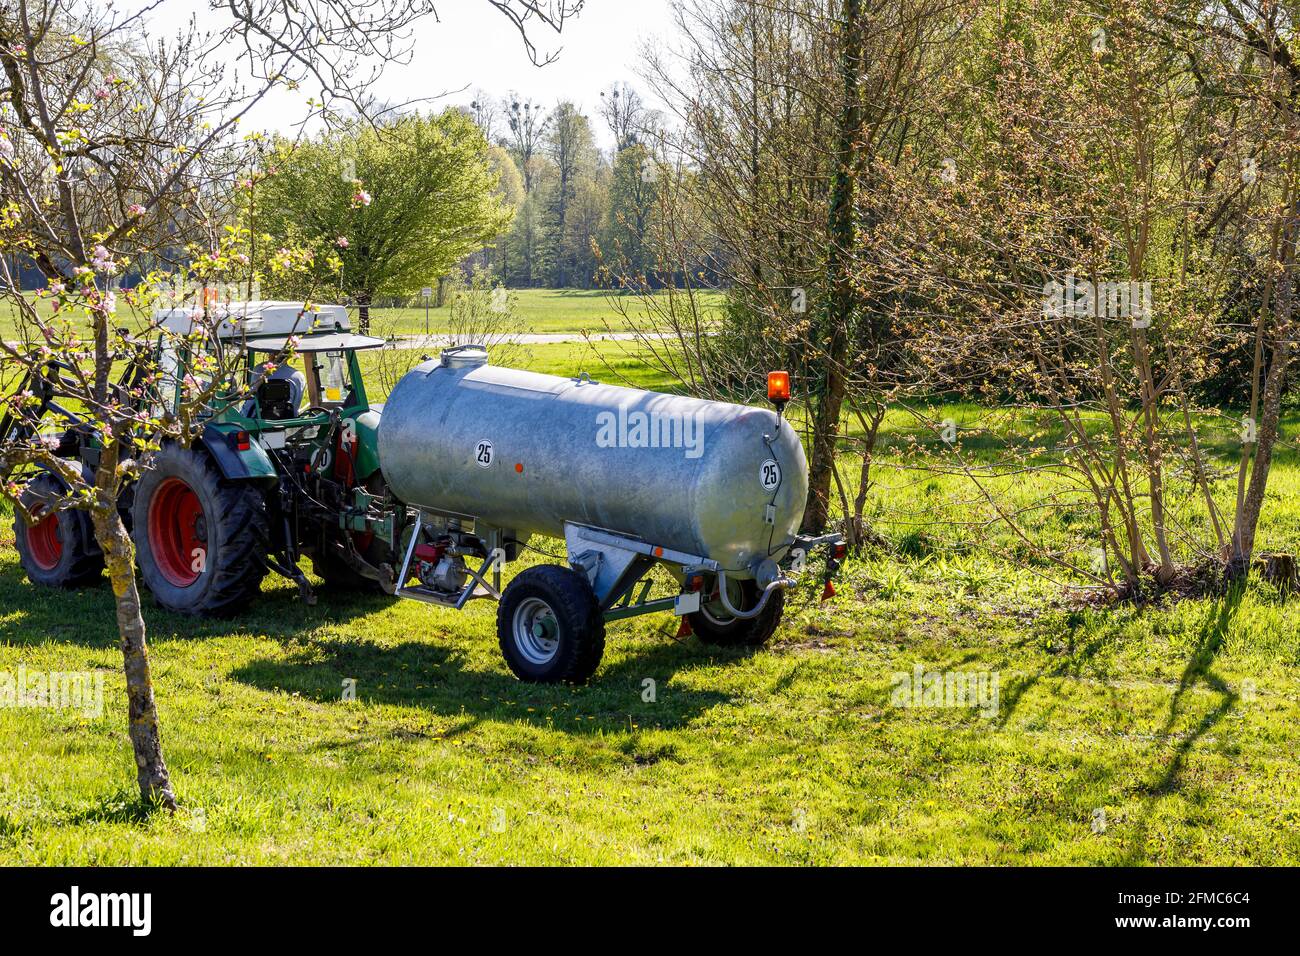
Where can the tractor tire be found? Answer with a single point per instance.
(713, 625)
(550, 628)
(59, 551)
(200, 540)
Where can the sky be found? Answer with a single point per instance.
(476, 47)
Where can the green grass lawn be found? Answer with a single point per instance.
(1161, 735)
(542, 311)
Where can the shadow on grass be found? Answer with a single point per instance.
(86, 616)
(437, 678)
(416, 673)
(122, 807)
(1169, 776)
(1073, 661)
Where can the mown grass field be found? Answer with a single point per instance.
(540, 311)
(1158, 735)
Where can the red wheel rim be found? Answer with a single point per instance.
(44, 544)
(178, 535)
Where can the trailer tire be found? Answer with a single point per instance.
(59, 551)
(713, 626)
(200, 539)
(550, 628)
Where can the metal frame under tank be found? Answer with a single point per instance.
(613, 563)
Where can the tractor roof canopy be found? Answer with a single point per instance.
(265, 326)
(315, 342)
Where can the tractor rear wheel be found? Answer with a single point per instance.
(59, 550)
(713, 625)
(200, 540)
(550, 627)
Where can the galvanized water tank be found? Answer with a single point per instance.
(529, 452)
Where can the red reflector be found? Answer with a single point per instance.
(519, 467)
(685, 629)
(778, 386)
(695, 582)
(841, 550)
(241, 441)
(828, 592)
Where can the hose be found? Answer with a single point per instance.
(781, 582)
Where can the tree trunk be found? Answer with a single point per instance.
(1266, 430)
(871, 432)
(119, 557)
(835, 330)
(363, 312)
(1247, 523)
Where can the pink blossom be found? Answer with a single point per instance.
(101, 93)
(135, 209)
(361, 198)
(103, 261)
(341, 242)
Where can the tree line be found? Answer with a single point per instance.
(571, 200)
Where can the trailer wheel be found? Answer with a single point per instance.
(200, 540)
(550, 627)
(713, 625)
(59, 550)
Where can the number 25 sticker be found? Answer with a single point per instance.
(769, 475)
(483, 454)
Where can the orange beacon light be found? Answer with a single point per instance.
(778, 389)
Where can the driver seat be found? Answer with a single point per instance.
(279, 397)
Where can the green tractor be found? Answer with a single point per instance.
(285, 466)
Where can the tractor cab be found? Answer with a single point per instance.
(298, 384)
(297, 363)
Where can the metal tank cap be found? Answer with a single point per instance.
(464, 356)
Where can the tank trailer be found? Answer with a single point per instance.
(427, 496)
